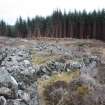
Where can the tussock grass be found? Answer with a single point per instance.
(64, 77)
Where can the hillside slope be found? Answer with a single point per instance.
(52, 72)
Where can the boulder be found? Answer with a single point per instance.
(9, 83)
(5, 92)
(3, 100)
(24, 96)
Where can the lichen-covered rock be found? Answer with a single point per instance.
(9, 82)
(5, 92)
(18, 77)
(3, 100)
(18, 64)
(24, 96)
(15, 102)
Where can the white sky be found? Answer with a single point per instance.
(11, 9)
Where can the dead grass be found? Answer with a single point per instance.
(65, 77)
(58, 89)
(43, 58)
(82, 90)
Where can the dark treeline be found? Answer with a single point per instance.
(59, 25)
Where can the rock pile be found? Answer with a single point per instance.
(17, 78)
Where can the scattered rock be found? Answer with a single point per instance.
(15, 102)
(16, 77)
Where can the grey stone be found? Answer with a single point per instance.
(24, 96)
(16, 102)
(3, 100)
(7, 81)
(5, 92)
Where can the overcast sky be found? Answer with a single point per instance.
(11, 9)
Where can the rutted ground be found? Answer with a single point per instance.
(52, 72)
